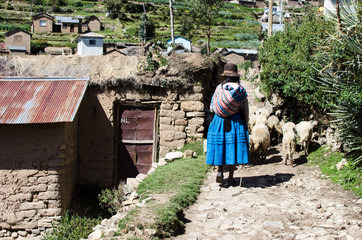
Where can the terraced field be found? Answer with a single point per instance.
(237, 26)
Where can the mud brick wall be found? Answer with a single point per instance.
(37, 174)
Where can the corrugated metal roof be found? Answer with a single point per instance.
(242, 51)
(40, 100)
(66, 19)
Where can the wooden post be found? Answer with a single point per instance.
(270, 19)
(171, 19)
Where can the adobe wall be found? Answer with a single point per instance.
(37, 28)
(94, 25)
(37, 175)
(25, 41)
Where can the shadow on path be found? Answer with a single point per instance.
(260, 181)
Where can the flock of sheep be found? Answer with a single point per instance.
(262, 125)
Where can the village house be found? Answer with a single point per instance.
(90, 44)
(38, 144)
(185, 43)
(92, 24)
(17, 42)
(42, 22)
(239, 55)
(68, 24)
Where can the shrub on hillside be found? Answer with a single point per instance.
(288, 60)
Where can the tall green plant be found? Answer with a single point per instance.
(341, 76)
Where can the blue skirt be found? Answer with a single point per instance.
(227, 148)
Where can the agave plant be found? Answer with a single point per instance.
(341, 78)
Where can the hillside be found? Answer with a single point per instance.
(237, 26)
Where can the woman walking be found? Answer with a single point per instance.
(227, 138)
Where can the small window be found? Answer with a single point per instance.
(65, 26)
(92, 42)
(18, 38)
(42, 23)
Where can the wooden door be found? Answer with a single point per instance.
(136, 140)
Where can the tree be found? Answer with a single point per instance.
(114, 7)
(147, 28)
(205, 13)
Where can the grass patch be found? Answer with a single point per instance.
(348, 177)
(173, 187)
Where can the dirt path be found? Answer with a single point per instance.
(274, 201)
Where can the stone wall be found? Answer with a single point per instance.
(181, 114)
(37, 175)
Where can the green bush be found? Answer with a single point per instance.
(37, 46)
(71, 228)
(111, 199)
(289, 63)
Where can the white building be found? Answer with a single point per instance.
(90, 44)
(179, 41)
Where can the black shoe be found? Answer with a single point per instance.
(219, 177)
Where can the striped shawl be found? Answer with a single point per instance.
(227, 99)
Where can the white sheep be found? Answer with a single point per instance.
(263, 112)
(259, 142)
(261, 119)
(289, 143)
(252, 109)
(274, 126)
(259, 125)
(274, 123)
(288, 126)
(305, 133)
(252, 120)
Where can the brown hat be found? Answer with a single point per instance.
(230, 70)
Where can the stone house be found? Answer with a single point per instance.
(42, 22)
(136, 121)
(92, 24)
(39, 136)
(17, 42)
(90, 44)
(67, 24)
(239, 55)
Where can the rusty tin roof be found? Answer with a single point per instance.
(40, 100)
